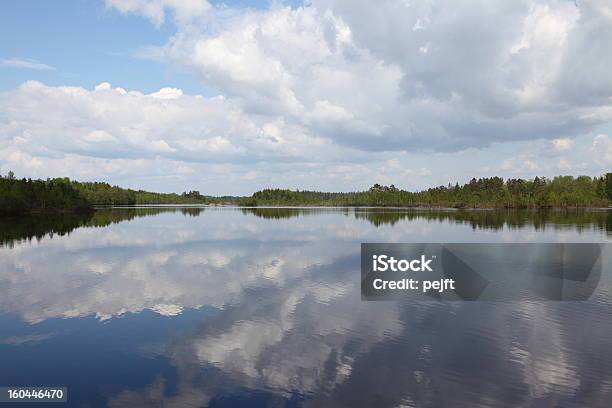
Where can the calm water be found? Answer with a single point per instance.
(239, 307)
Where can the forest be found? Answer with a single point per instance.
(98, 193)
(20, 196)
(40, 196)
(493, 192)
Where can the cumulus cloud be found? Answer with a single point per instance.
(337, 90)
(404, 76)
(115, 123)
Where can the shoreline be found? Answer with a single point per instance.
(86, 211)
(421, 207)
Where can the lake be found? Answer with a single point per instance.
(229, 307)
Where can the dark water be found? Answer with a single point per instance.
(261, 307)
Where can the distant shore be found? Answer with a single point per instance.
(62, 195)
(64, 211)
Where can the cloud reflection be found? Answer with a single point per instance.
(290, 323)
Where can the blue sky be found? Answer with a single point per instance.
(86, 43)
(232, 97)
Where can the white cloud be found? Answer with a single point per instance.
(114, 123)
(516, 166)
(27, 63)
(171, 141)
(184, 169)
(563, 164)
(23, 160)
(99, 136)
(155, 10)
(562, 145)
(321, 96)
(602, 149)
(403, 76)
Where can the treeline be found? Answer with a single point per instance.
(494, 192)
(61, 194)
(98, 193)
(21, 196)
(27, 196)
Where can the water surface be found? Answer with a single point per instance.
(190, 307)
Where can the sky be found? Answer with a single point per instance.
(334, 95)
